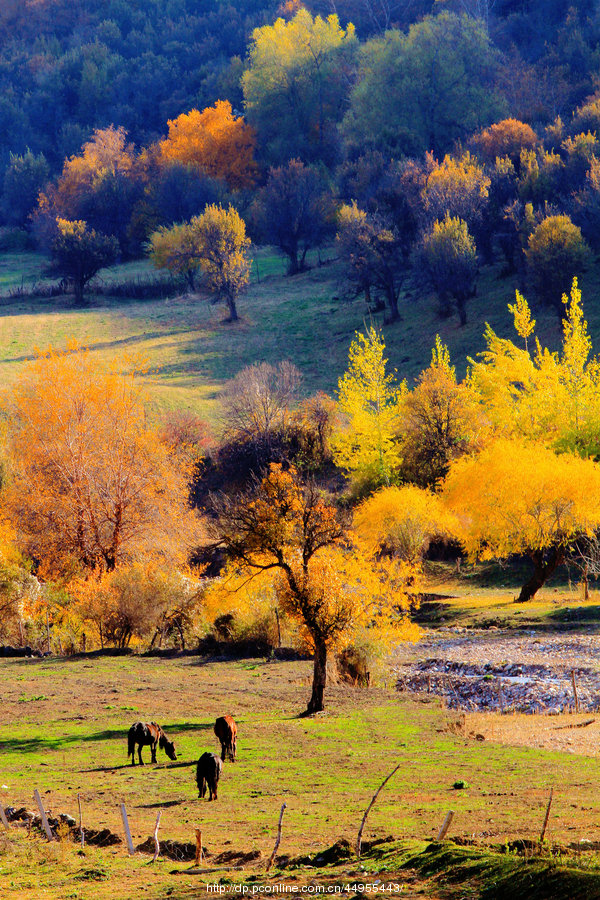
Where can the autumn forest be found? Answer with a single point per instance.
(300, 308)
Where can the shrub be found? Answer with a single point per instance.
(556, 252)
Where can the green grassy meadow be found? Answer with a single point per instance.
(191, 352)
(63, 727)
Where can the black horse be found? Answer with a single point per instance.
(148, 733)
(208, 772)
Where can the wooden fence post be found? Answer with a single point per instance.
(130, 846)
(81, 822)
(368, 809)
(574, 683)
(198, 846)
(3, 817)
(546, 817)
(156, 844)
(277, 842)
(43, 815)
(445, 826)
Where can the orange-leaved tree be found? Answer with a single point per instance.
(214, 141)
(442, 420)
(286, 529)
(90, 483)
(519, 498)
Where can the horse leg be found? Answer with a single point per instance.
(153, 752)
(140, 755)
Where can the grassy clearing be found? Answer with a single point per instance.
(483, 595)
(326, 769)
(192, 352)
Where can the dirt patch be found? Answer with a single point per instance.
(568, 733)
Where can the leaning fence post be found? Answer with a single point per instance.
(156, 844)
(368, 809)
(445, 826)
(127, 831)
(546, 817)
(43, 815)
(3, 817)
(574, 683)
(277, 842)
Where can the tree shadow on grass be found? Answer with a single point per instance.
(41, 744)
(166, 804)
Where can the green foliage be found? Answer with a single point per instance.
(24, 178)
(556, 252)
(425, 89)
(449, 262)
(293, 211)
(295, 86)
(78, 253)
(374, 255)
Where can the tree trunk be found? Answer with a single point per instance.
(233, 316)
(78, 285)
(543, 568)
(319, 678)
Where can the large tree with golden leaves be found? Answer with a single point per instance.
(518, 498)
(332, 589)
(90, 482)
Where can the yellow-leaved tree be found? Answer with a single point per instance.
(401, 522)
(442, 420)
(370, 402)
(284, 531)
(522, 498)
(537, 394)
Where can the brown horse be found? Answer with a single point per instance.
(148, 734)
(226, 731)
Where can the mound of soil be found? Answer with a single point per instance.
(176, 850)
(103, 838)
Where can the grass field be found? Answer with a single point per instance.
(63, 726)
(191, 351)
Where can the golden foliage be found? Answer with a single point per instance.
(442, 420)
(515, 497)
(370, 403)
(106, 153)
(286, 533)
(213, 141)
(400, 522)
(538, 394)
(91, 483)
(136, 602)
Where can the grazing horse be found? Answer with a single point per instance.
(208, 772)
(148, 733)
(226, 731)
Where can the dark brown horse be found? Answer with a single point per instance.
(148, 734)
(226, 731)
(208, 772)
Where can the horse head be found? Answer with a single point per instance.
(168, 746)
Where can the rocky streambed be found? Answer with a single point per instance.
(527, 672)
